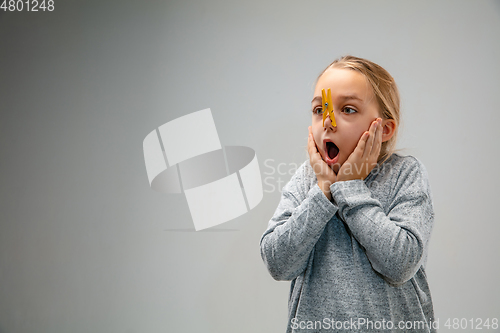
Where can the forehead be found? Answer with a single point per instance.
(344, 81)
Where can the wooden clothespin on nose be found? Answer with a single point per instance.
(326, 100)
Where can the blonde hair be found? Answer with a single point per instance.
(385, 90)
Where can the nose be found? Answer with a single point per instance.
(328, 122)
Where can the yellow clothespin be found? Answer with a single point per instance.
(326, 100)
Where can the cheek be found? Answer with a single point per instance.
(317, 129)
(351, 138)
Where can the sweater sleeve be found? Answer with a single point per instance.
(295, 227)
(395, 238)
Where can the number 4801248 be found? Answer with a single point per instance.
(472, 323)
(27, 5)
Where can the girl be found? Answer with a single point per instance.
(353, 225)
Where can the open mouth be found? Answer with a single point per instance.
(331, 152)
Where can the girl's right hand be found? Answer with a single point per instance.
(324, 173)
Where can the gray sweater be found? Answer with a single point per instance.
(357, 262)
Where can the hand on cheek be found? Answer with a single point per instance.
(364, 157)
(323, 172)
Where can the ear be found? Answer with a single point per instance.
(388, 129)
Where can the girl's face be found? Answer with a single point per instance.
(355, 107)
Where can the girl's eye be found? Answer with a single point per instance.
(348, 110)
(317, 110)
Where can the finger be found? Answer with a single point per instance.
(377, 139)
(362, 144)
(310, 141)
(311, 148)
(377, 145)
(309, 144)
(369, 142)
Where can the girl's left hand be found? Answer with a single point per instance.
(364, 157)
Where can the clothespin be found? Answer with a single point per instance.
(326, 100)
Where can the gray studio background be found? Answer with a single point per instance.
(87, 246)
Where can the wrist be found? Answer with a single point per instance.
(325, 188)
(344, 177)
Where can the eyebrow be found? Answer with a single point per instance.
(344, 98)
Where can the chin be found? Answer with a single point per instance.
(336, 168)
